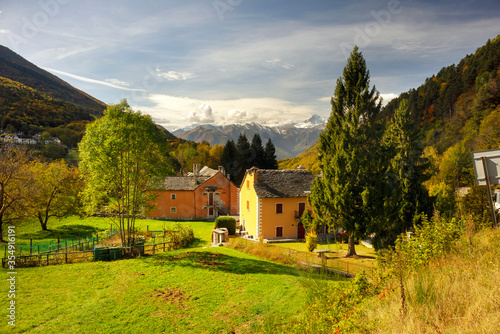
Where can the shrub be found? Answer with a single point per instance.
(311, 241)
(227, 222)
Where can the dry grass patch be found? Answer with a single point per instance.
(455, 294)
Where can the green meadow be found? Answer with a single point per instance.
(196, 290)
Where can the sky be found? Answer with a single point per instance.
(237, 61)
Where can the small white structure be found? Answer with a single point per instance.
(219, 236)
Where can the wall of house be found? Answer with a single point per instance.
(192, 204)
(183, 204)
(271, 219)
(249, 214)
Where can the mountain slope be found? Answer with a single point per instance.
(289, 140)
(308, 159)
(22, 108)
(15, 67)
(460, 104)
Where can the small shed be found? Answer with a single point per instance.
(219, 235)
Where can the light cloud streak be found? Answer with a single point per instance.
(94, 81)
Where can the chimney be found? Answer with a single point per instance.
(254, 170)
(196, 172)
(222, 171)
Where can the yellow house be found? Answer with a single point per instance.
(272, 201)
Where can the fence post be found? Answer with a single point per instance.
(48, 259)
(66, 257)
(58, 240)
(31, 246)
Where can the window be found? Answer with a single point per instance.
(279, 231)
(173, 196)
(173, 210)
(248, 184)
(248, 205)
(279, 208)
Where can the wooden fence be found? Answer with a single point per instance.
(305, 259)
(96, 254)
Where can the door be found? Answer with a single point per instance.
(302, 208)
(301, 231)
(279, 231)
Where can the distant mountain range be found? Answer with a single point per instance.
(289, 140)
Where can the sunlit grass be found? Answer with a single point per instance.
(212, 290)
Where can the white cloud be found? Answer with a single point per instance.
(202, 114)
(388, 97)
(173, 75)
(99, 82)
(4, 31)
(181, 111)
(277, 63)
(118, 82)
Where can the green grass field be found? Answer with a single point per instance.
(207, 290)
(69, 228)
(195, 290)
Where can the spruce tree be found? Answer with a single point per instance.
(257, 152)
(270, 161)
(230, 160)
(410, 197)
(348, 154)
(245, 158)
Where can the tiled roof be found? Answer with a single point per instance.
(188, 182)
(183, 182)
(273, 183)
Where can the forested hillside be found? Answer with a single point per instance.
(455, 105)
(457, 111)
(17, 68)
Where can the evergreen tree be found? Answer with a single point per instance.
(257, 152)
(408, 198)
(270, 156)
(230, 160)
(245, 158)
(346, 192)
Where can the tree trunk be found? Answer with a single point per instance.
(351, 251)
(1, 229)
(43, 223)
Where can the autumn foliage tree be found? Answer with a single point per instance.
(58, 191)
(16, 183)
(123, 155)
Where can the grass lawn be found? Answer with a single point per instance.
(68, 228)
(205, 290)
(367, 256)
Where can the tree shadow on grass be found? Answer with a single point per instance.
(215, 261)
(63, 231)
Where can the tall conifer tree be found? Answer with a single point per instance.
(270, 155)
(347, 151)
(257, 152)
(230, 159)
(245, 158)
(410, 198)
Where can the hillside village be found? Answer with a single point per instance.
(22, 139)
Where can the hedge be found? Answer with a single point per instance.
(227, 222)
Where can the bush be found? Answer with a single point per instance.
(311, 241)
(227, 222)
